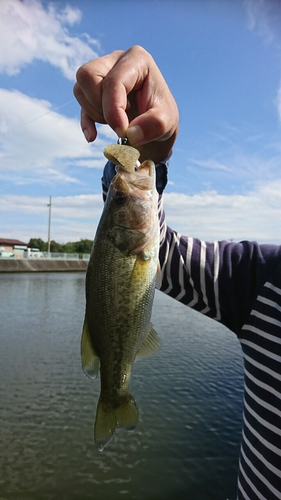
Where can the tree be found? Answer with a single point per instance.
(69, 247)
(55, 247)
(37, 243)
(82, 246)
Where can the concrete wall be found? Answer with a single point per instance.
(42, 265)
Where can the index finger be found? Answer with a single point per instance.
(128, 74)
(89, 89)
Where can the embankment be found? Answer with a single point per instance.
(42, 265)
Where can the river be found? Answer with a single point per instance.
(186, 445)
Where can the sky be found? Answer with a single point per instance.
(222, 62)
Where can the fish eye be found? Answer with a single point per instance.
(119, 198)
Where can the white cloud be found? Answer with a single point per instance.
(29, 31)
(240, 165)
(265, 19)
(42, 149)
(278, 101)
(68, 15)
(98, 163)
(212, 216)
(211, 164)
(76, 207)
(62, 230)
(73, 217)
(208, 215)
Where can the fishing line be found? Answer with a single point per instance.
(48, 112)
(38, 117)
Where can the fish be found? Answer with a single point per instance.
(120, 287)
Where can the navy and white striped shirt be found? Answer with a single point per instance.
(239, 285)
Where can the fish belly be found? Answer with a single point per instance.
(119, 297)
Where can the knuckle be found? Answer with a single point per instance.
(77, 91)
(162, 124)
(139, 49)
(82, 74)
(140, 54)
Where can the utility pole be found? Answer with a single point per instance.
(49, 226)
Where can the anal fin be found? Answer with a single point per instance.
(150, 345)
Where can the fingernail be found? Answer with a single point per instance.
(135, 134)
(86, 134)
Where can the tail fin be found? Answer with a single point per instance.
(125, 415)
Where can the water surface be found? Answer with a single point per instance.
(189, 394)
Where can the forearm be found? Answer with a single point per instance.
(220, 279)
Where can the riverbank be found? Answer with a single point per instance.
(42, 265)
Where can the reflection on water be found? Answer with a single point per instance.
(186, 445)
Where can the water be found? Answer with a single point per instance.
(186, 445)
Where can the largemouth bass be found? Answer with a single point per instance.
(120, 285)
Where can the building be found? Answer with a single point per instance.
(9, 245)
(12, 248)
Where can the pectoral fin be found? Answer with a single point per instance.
(150, 344)
(90, 361)
(127, 240)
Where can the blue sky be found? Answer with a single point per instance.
(222, 61)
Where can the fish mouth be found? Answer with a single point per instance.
(138, 184)
(147, 169)
(126, 158)
(147, 166)
(139, 187)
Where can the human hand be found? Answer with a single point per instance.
(126, 90)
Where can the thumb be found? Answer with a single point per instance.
(153, 125)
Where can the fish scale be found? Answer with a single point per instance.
(120, 285)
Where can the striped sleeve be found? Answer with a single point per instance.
(220, 279)
(189, 272)
(260, 458)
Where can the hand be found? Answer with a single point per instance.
(126, 90)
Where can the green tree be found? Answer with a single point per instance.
(55, 247)
(69, 247)
(37, 243)
(83, 246)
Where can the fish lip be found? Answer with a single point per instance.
(146, 164)
(151, 168)
(130, 183)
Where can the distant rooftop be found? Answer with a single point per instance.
(7, 241)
